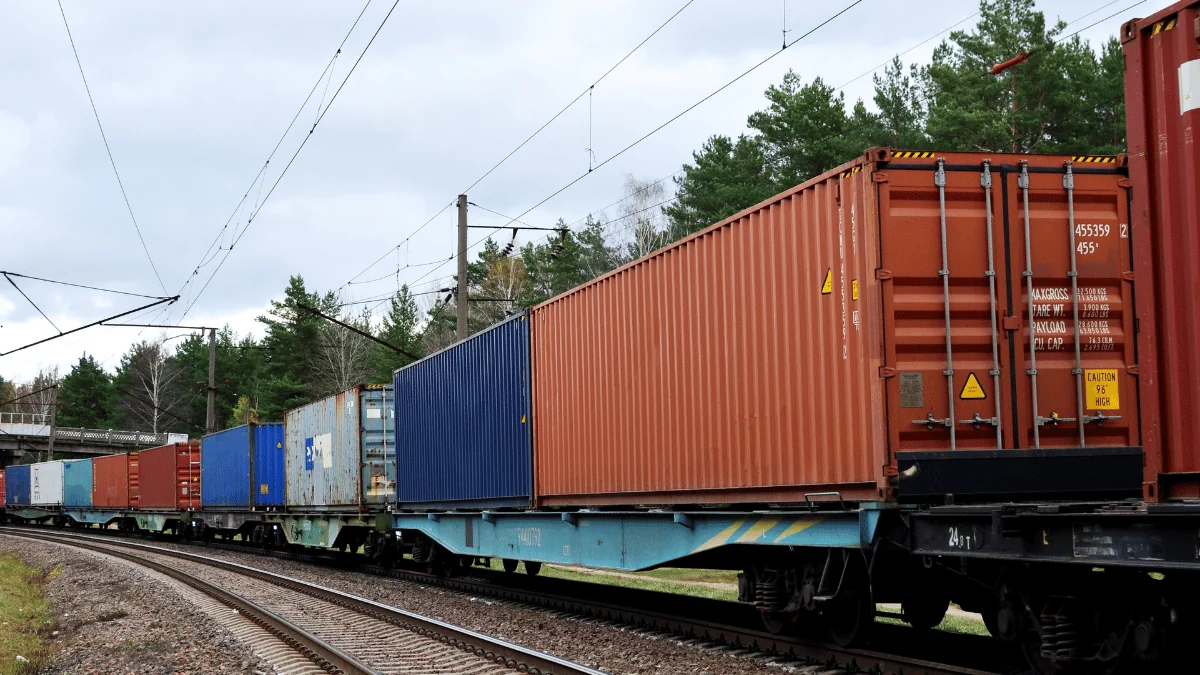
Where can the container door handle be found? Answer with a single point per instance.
(1077, 371)
(939, 179)
(1032, 372)
(985, 181)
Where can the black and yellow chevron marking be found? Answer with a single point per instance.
(1094, 159)
(850, 172)
(908, 154)
(1163, 26)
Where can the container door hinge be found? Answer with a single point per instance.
(1124, 182)
(882, 274)
(886, 372)
(880, 177)
(1012, 323)
(1127, 276)
(890, 471)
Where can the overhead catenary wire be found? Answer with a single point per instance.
(662, 126)
(30, 301)
(108, 149)
(68, 283)
(320, 117)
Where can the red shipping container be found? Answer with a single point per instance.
(110, 481)
(800, 346)
(2, 488)
(1162, 99)
(168, 477)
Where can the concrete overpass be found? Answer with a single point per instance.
(26, 437)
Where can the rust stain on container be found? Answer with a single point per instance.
(797, 346)
(1162, 95)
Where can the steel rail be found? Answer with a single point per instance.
(517, 657)
(326, 656)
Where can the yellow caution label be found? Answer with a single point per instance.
(972, 390)
(1102, 389)
(263, 488)
(854, 289)
(522, 419)
(827, 286)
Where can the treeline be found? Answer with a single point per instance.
(1066, 96)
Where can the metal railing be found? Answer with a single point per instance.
(36, 424)
(24, 418)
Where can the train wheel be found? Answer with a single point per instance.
(532, 568)
(778, 623)
(510, 565)
(851, 615)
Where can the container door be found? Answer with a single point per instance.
(942, 248)
(1075, 385)
(378, 439)
(983, 333)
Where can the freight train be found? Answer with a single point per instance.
(921, 378)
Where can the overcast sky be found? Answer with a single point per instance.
(194, 95)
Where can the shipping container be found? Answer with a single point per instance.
(910, 324)
(341, 451)
(168, 477)
(16, 485)
(46, 483)
(110, 480)
(2, 475)
(77, 484)
(464, 435)
(242, 467)
(1162, 99)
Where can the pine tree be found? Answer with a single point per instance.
(401, 327)
(86, 396)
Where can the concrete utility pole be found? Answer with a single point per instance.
(462, 300)
(210, 424)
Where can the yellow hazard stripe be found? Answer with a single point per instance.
(1164, 26)
(721, 538)
(850, 172)
(1094, 159)
(797, 527)
(911, 154)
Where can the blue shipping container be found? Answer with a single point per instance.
(16, 485)
(341, 450)
(225, 467)
(464, 433)
(77, 483)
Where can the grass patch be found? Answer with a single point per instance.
(664, 580)
(953, 623)
(25, 617)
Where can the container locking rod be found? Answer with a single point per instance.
(1069, 186)
(939, 179)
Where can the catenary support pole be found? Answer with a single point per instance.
(210, 423)
(53, 416)
(462, 301)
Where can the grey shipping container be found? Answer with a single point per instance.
(341, 451)
(464, 432)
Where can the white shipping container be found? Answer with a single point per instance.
(46, 483)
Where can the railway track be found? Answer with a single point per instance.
(337, 632)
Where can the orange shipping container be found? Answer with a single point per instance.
(860, 334)
(110, 481)
(168, 477)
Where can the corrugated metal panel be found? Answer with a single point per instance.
(797, 346)
(269, 473)
(464, 431)
(1162, 95)
(77, 483)
(169, 477)
(225, 469)
(377, 406)
(16, 485)
(329, 465)
(2, 479)
(46, 487)
(110, 478)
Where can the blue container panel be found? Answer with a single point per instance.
(16, 485)
(269, 474)
(225, 469)
(376, 409)
(77, 483)
(464, 431)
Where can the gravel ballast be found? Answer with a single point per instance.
(613, 649)
(115, 617)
